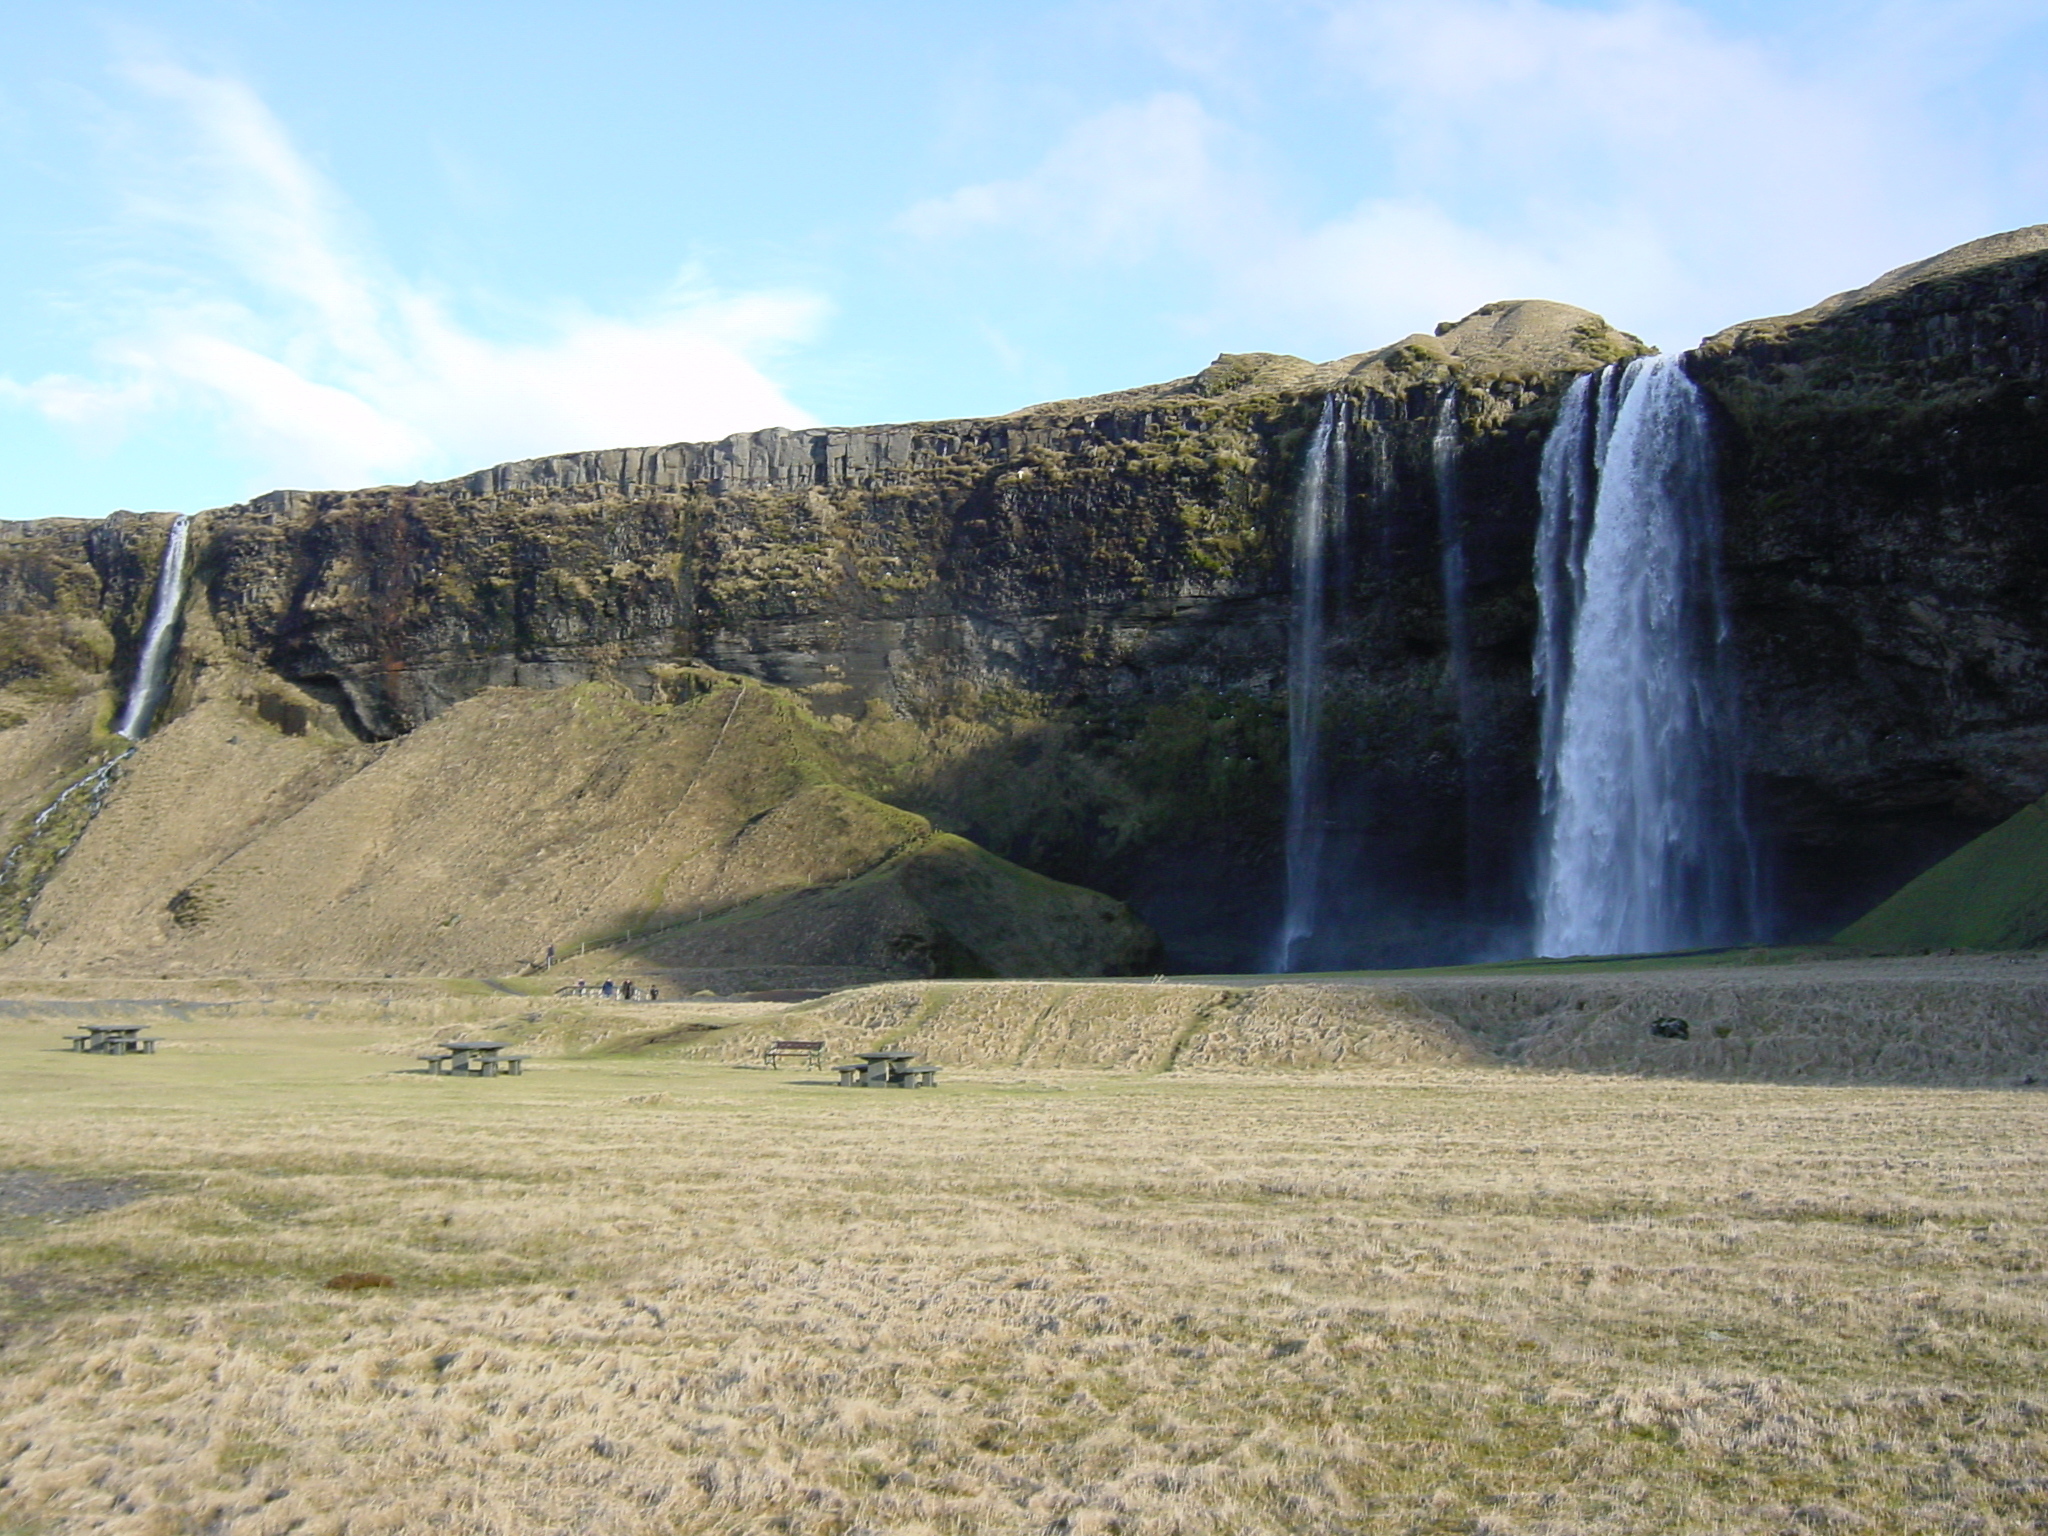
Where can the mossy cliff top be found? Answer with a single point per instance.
(1512, 340)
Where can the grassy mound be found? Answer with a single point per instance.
(1989, 894)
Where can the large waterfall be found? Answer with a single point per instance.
(146, 692)
(1644, 845)
(1320, 503)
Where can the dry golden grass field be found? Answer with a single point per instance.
(640, 1292)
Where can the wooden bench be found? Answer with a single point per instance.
(813, 1051)
(435, 1060)
(918, 1077)
(78, 1041)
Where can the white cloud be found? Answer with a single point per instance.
(1740, 174)
(328, 369)
(1638, 157)
(1120, 186)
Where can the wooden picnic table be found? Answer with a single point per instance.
(479, 1058)
(114, 1039)
(887, 1069)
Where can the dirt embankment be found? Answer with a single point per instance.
(1903, 1021)
(1144, 1026)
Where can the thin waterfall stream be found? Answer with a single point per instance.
(1320, 504)
(1644, 842)
(1454, 582)
(56, 829)
(154, 665)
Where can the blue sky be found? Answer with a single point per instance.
(258, 243)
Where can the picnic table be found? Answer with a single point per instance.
(114, 1039)
(886, 1069)
(812, 1051)
(480, 1058)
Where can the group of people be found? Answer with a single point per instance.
(624, 991)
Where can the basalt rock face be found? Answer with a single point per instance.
(1885, 484)
(1071, 549)
(1061, 634)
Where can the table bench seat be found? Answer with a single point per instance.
(861, 1074)
(122, 1043)
(812, 1051)
(474, 1064)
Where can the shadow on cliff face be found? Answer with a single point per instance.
(1178, 807)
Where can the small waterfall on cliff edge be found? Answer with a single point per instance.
(1320, 503)
(1644, 845)
(56, 829)
(146, 692)
(1450, 525)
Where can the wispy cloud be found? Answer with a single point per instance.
(265, 305)
(1638, 157)
(1122, 185)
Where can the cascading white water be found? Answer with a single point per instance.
(1644, 844)
(146, 692)
(1450, 522)
(1320, 503)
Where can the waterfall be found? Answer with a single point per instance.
(56, 829)
(1450, 525)
(147, 690)
(1307, 787)
(1320, 503)
(1644, 846)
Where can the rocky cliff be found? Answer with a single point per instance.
(1885, 480)
(1060, 635)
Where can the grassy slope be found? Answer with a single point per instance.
(1991, 893)
(726, 828)
(637, 1295)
